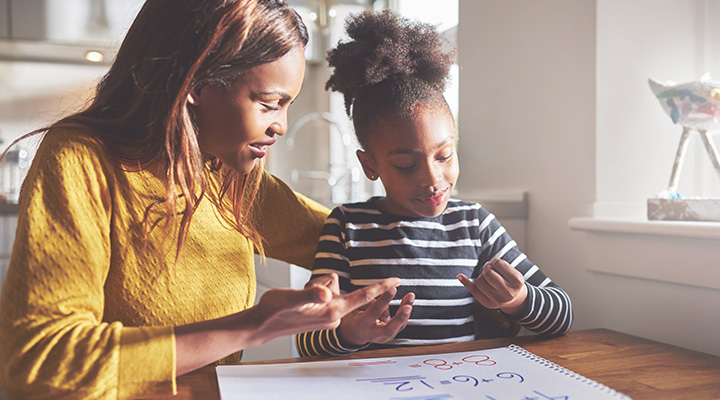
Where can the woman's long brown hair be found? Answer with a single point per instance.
(140, 112)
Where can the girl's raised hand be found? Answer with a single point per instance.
(499, 286)
(373, 323)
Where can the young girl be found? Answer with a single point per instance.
(392, 75)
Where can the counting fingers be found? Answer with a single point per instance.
(379, 308)
(503, 270)
(389, 330)
(478, 289)
(368, 293)
(330, 281)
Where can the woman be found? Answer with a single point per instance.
(139, 218)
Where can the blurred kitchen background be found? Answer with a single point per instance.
(560, 137)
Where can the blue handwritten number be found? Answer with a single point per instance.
(551, 398)
(465, 378)
(399, 387)
(510, 375)
(426, 384)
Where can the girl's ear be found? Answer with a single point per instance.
(367, 165)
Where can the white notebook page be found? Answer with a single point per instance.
(506, 373)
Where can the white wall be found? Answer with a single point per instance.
(549, 91)
(526, 120)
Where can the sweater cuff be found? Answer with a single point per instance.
(349, 348)
(147, 362)
(528, 312)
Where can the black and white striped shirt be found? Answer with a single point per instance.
(363, 245)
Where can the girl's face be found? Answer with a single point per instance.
(239, 123)
(416, 161)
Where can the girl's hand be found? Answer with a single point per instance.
(373, 323)
(499, 286)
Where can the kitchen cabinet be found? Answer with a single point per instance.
(64, 30)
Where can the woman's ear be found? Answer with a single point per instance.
(367, 164)
(194, 96)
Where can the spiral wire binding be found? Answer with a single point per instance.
(571, 374)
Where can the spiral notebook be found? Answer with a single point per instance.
(505, 373)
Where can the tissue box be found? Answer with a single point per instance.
(683, 209)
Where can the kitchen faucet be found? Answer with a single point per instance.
(343, 173)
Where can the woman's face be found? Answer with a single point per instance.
(416, 160)
(237, 124)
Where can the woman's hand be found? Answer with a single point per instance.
(280, 312)
(499, 286)
(373, 323)
(318, 306)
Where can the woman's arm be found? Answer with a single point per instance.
(289, 222)
(54, 340)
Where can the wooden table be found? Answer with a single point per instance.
(637, 367)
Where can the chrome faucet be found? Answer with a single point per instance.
(349, 176)
(345, 137)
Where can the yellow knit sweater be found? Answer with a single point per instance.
(88, 310)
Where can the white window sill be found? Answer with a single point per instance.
(641, 226)
(653, 250)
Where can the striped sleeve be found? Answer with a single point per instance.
(323, 343)
(330, 257)
(550, 311)
(550, 308)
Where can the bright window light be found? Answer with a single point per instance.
(94, 56)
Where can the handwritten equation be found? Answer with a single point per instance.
(506, 373)
(411, 382)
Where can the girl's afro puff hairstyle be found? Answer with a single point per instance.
(389, 66)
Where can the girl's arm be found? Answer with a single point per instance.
(507, 280)
(369, 324)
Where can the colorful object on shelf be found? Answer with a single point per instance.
(694, 106)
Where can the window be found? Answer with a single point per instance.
(636, 140)
(445, 18)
